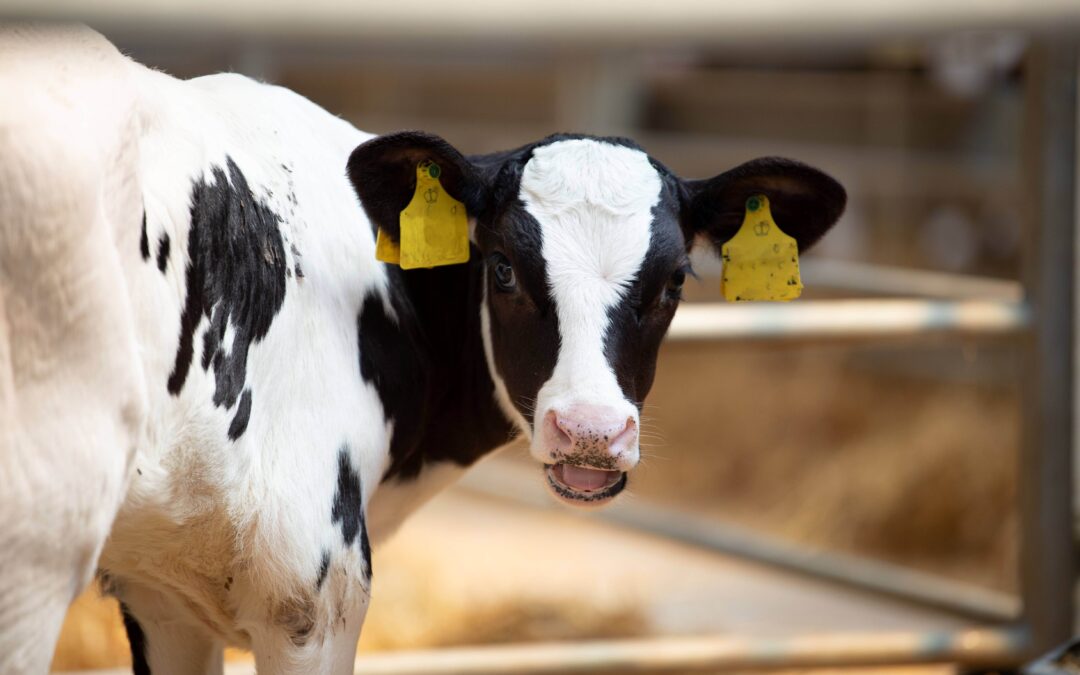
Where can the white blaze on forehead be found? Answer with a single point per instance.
(593, 202)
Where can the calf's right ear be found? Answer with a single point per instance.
(383, 173)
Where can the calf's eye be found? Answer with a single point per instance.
(675, 284)
(503, 273)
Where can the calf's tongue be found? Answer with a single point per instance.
(584, 478)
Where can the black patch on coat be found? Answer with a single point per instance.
(144, 239)
(235, 275)
(392, 359)
(324, 568)
(365, 549)
(137, 640)
(163, 252)
(240, 419)
(348, 509)
(296, 261)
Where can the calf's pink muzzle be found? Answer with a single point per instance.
(589, 448)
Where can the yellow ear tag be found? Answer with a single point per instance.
(385, 248)
(434, 226)
(760, 261)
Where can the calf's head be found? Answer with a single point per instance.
(584, 245)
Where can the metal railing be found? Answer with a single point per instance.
(848, 319)
(693, 654)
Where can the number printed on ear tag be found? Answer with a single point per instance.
(434, 226)
(761, 262)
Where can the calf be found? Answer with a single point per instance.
(214, 396)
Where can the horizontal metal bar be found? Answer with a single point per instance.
(894, 581)
(518, 483)
(847, 319)
(978, 646)
(564, 21)
(974, 646)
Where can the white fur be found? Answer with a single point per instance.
(594, 202)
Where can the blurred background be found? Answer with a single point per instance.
(894, 461)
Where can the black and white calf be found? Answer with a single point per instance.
(214, 397)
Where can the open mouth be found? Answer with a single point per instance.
(583, 484)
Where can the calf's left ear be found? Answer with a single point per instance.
(805, 202)
(383, 173)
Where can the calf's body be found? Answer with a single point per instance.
(212, 393)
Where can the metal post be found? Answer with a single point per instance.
(1046, 565)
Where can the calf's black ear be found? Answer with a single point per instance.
(383, 173)
(805, 202)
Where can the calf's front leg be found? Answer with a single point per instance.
(315, 630)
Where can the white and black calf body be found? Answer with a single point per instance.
(218, 399)
(244, 519)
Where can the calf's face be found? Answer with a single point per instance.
(584, 244)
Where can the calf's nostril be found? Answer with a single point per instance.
(625, 439)
(563, 439)
(559, 432)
